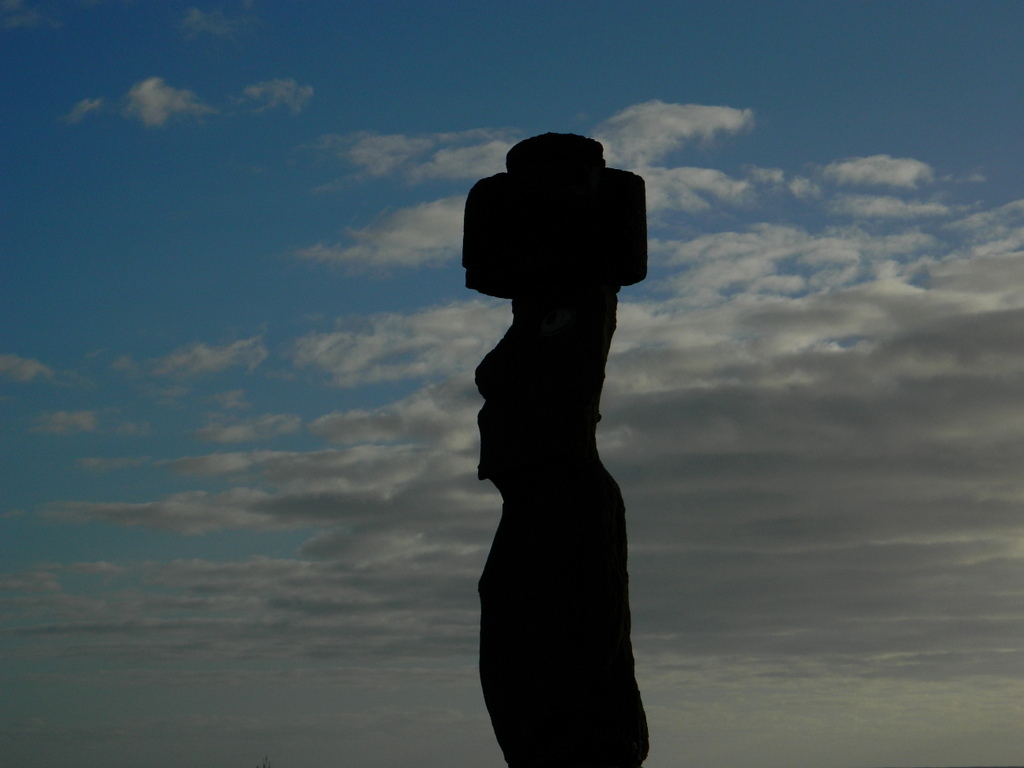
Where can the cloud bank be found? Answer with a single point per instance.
(812, 407)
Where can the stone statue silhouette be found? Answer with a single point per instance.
(558, 234)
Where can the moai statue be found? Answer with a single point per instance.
(558, 234)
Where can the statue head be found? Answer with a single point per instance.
(562, 159)
(557, 217)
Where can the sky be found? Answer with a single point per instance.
(239, 513)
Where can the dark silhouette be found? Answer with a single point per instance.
(558, 234)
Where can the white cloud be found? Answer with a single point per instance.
(472, 162)
(233, 399)
(189, 513)
(429, 233)
(104, 464)
(135, 428)
(67, 422)
(15, 13)
(880, 170)
(259, 428)
(154, 102)
(442, 414)
(635, 137)
(689, 189)
(1000, 230)
(771, 259)
(215, 23)
(432, 232)
(20, 368)
(379, 155)
(885, 207)
(435, 342)
(201, 358)
(83, 108)
(804, 189)
(280, 92)
(214, 464)
(29, 581)
(375, 487)
(771, 177)
(644, 134)
(457, 155)
(385, 593)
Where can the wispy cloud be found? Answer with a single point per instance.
(82, 109)
(270, 425)
(882, 170)
(16, 13)
(154, 103)
(456, 155)
(375, 487)
(218, 464)
(644, 134)
(19, 368)
(188, 513)
(776, 260)
(233, 399)
(279, 92)
(67, 422)
(200, 358)
(441, 414)
(391, 347)
(217, 24)
(886, 207)
(484, 158)
(192, 609)
(425, 234)
(692, 189)
(103, 464)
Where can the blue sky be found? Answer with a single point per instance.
(239, 513)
